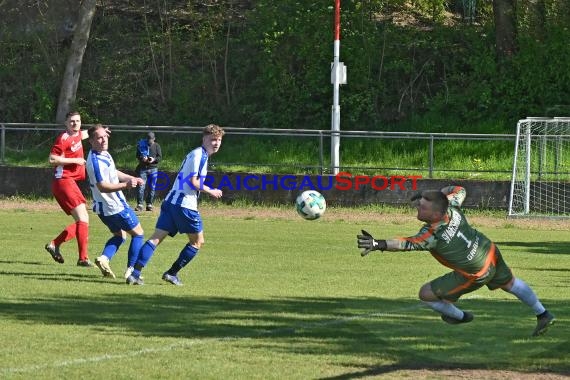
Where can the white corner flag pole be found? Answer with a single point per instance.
(338, 77)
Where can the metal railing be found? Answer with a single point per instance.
(323, 137)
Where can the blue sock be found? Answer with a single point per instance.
(112, 246)
(186, 255)
(144, 256)
(134, 248)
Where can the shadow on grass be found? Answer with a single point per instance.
(24, 262)
(59, 277)
(544, 247)
(400, 334)
(456, 370)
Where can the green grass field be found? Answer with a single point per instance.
(272, 297)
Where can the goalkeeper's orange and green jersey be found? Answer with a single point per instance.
(453, 242)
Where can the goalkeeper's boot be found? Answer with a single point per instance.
(467, 317)
(172, 279)
(53, 250)
(132, 280)
(102, 263)
(543, 321)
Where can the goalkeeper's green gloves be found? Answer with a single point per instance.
(370, 244)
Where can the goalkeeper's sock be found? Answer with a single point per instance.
(112, 246)
(446, 308)
(186, 255)
(67, 234)
(137, 242)
(82, 233)
(527, 296)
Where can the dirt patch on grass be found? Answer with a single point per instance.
(442, 371)
(12, 203)
(474, 374)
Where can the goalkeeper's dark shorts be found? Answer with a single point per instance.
(453, 285)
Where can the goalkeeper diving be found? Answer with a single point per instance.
(474, 259)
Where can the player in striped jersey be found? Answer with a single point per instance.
(475, 260)
(107, 183)
(179, 210)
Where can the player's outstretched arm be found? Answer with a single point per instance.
(455, 194)
(369, 244)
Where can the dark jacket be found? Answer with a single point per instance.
(155, 152)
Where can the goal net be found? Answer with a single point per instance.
(540, 185)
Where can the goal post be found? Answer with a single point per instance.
(540, 185)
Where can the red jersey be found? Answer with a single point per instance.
(69, 147)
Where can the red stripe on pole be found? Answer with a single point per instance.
(337, 20)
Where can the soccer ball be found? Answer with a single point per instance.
(311, 204)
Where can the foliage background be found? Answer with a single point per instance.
(412, 65)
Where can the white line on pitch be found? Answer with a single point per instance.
(101, 358)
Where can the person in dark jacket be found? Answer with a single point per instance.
(149, 155)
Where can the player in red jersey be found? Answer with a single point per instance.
(66, 156)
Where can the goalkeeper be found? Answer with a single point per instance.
(474, 259)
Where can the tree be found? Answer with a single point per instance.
(70, 80)
(505, 28)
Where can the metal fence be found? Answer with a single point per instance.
(323, 137)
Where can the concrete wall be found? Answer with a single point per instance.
(270, 188)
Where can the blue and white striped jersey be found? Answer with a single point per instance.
(101, 168)
(182, 192)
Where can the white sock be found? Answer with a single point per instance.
(524, 293)
(446, 308)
